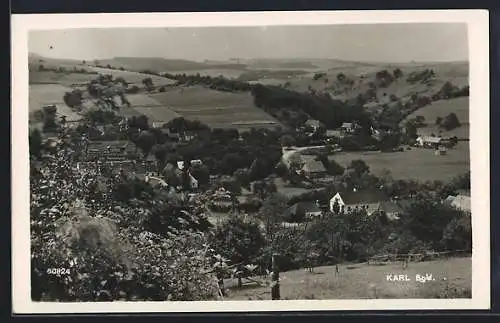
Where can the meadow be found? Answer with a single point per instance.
(70, 78)
(418, 163)
(45, 94)
(452, 279)
(67, 79)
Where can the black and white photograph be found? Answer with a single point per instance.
(262, 163)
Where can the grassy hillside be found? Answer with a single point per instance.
(441, 108)
(45, 94)
(452, 280)
(162, 64)
(363, 74)
(300, 75)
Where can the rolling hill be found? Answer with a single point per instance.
(295, 74)
(166, 65)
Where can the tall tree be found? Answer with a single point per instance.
(239, 241)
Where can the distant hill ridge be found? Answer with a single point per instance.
(164, 64)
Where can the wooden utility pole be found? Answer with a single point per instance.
(275, 290)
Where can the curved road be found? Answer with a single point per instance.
(293, 150)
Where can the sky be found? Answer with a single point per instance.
(376, 42)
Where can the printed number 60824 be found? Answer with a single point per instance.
(58, 271)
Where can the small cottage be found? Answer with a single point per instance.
(313, 168)
(429, 141)
(347, 127)
(303, 210)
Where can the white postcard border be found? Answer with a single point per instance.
(478, 37)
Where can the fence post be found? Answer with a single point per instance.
(275, 290)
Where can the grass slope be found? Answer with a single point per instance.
(363, 73)
(44, 94)
(459, 106)
(159, 64)
(364, 281)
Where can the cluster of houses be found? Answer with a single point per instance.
(125, 157)
(433, 142)
(311, 126)
(374, 201)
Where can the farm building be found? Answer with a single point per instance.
(349, 127)
(390, 209)
(111, 150)
(461, 202)
(303, 210)
(371, 200)
(313, 168)
(158, 124)
(194, 162)
(429, 141)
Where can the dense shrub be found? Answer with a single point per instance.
(240, 241)
(450, 122)
(106, 263)
(421, 76)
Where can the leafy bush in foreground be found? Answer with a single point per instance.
(109, 263)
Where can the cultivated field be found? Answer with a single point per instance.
(134, 78)
(215, 108)
(452, 279)
(155, 111)
(66, 79)
(44, 94)
(418, 163)
(69, 78)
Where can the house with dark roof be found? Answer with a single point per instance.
(373, 201)
(390, 210)
(303, 210)
(313, 168)
(117, 150)
(349, 127)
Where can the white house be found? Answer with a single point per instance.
(304, 210)
(371, 200)
(347, 127)
(429, 141)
